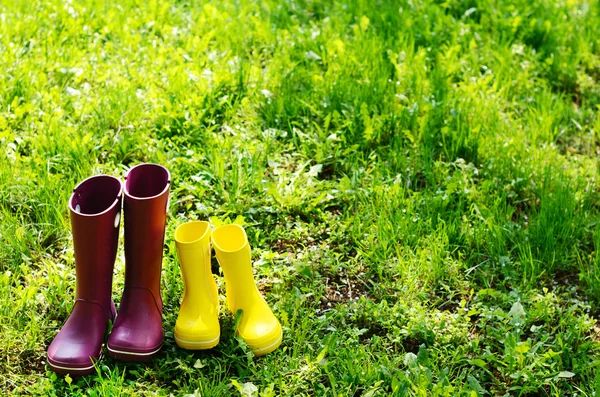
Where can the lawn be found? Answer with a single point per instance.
(419, 182)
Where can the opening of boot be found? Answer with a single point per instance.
(95, 195)
(191, 232)
(147, 180)
(229, 238)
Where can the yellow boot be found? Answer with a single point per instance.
(259, 328)
(197, 326)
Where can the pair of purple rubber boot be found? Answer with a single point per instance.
(95, 212)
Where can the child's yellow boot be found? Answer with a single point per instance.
(197, 326)
(259, 327)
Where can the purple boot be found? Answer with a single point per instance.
(138, 334)
(95, 209)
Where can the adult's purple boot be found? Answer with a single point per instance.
(95, 212)
(137, 334)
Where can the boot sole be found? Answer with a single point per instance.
(74, 371)
(261, 351)
(197, 344)
(131, 356)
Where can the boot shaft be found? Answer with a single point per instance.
(95, 212)
(233, 252)
(146, 194)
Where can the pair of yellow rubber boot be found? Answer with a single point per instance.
(197, 326)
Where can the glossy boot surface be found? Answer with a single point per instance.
(95, 209)
(137, 334)
(259, 327)
(197, 326)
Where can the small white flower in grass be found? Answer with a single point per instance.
(267, 93)
(247, 389)
(566, 374)
(73, 92)
(410, 359)
(517, 313)
(470, 11)
(207, 74)
(315, 170)
(312, 56)
(72, 12)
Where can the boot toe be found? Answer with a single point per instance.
(137, 335)
(262, 334)
(134, 344)
(197, 335)
(79, 343)
(65, 357)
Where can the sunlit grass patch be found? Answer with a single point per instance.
(418, 180)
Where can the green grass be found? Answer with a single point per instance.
(419, 182)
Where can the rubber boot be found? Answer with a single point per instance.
(95, 212)
(137, 334)
(259, 328)
(197, 326)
